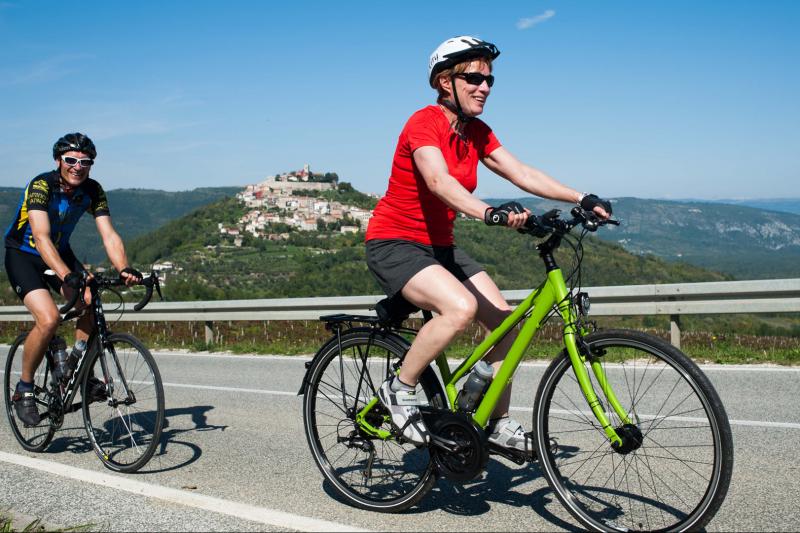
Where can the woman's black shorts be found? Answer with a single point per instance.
(26, 272)
(394, 262)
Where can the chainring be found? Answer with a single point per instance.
(472, 453)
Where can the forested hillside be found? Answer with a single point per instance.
(134, 212)
(663, 240)
(209, 266)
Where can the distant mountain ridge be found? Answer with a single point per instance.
(747, 242)
(787, 205)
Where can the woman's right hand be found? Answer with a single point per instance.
(510, 214)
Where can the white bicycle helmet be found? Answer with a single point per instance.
(457, 50)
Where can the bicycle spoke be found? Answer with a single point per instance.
(125, 426)
(663, 481)
(368, 472)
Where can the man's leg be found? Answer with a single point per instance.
(46, 321)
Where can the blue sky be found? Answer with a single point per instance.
(651, 99)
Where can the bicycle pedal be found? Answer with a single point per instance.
(515, 456)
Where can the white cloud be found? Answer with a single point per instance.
(44, 71)
(525, 23)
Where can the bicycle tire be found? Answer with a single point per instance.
(400, 473)
(669, 483)
(36, 438)
(125, 435)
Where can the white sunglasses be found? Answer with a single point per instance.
(72, 161)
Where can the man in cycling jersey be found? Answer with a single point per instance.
(38, 254)
(410, 247)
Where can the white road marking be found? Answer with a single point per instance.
(261, 515)
(455, 362)
(753, 423)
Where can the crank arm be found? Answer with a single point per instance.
(445, 444)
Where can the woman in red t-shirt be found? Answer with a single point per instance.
(410, 247)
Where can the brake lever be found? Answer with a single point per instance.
(158, 286)
(77, 293)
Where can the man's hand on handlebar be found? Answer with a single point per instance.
(74, 281)
(510, 214)
(131, 276)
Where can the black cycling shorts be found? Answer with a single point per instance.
(26, 271)
(394, 262)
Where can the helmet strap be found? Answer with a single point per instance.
(455, 106)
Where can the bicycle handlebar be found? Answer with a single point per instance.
(551, 222)
(99, 281)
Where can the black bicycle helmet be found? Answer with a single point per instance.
(77, 142)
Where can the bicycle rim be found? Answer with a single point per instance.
(33, 439)
(125, 429)
(367, 472)
(679, 475)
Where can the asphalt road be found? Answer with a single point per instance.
(236, 458)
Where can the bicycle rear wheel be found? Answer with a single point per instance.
(678, 471)
(366, 471)
(125, 426)
(36, 438)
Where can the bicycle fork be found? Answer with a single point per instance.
(578, 359)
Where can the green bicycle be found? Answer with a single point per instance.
(628, 431)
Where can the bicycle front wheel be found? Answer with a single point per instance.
(675, 469)
(385, 475)
(32, 438)
(124, 421)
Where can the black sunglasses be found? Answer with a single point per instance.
(476, 78)
(72, 161)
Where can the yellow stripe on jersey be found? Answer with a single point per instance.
(23, 211)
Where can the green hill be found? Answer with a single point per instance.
(209, 266)
(134, 212)
(657, 242)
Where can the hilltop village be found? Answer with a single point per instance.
(294, 199)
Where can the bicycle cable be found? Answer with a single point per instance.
(120, 306)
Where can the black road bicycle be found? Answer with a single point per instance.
(124, 420)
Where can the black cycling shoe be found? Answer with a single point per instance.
(25, 407)
(96, 390)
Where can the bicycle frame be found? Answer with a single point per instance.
(533, 310)
(97, 341)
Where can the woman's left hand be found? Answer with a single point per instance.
(591, 202)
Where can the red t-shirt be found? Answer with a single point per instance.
(409, 210)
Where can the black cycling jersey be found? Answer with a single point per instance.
(44, 193)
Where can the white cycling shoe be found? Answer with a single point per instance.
(509, 434)
(404, 405)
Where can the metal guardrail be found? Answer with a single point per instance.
(674, 299)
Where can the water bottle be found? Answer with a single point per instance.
(75, 356)
(58, 347)
(476, 384)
